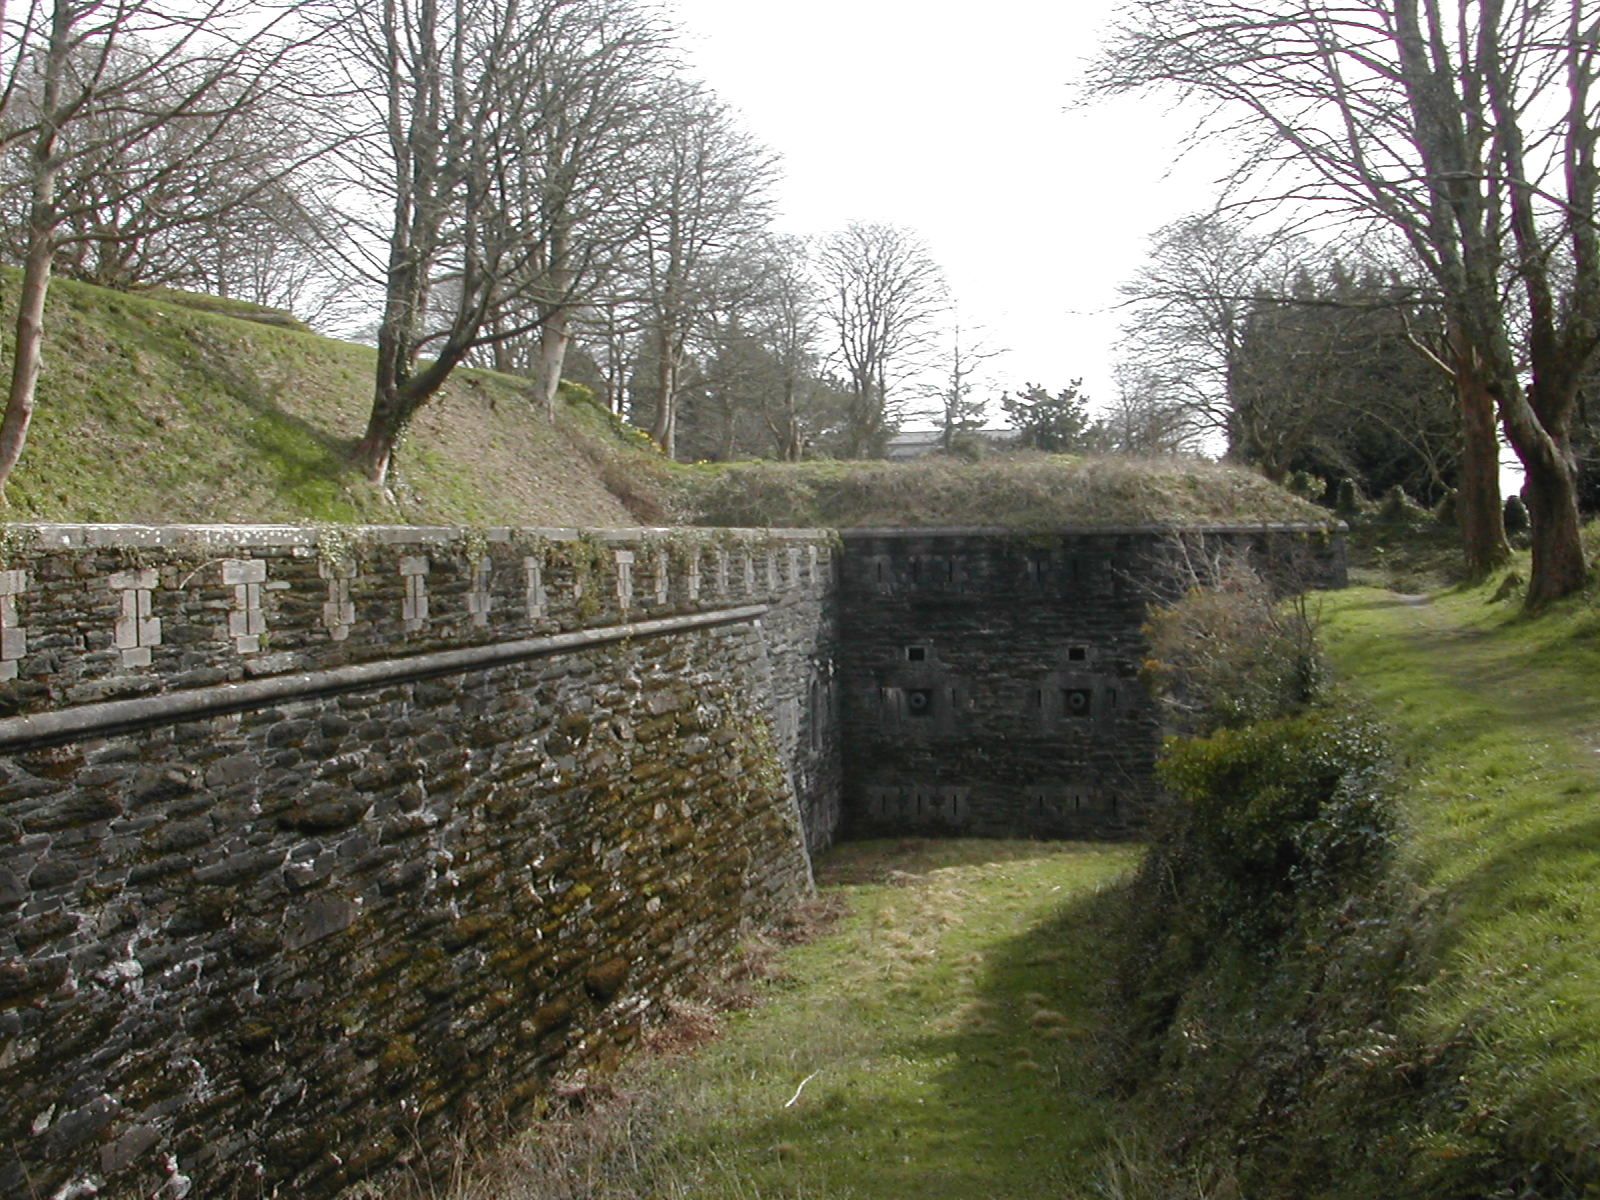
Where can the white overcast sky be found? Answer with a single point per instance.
(954, 120)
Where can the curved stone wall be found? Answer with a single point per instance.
(313, 843)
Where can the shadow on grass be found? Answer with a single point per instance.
(1009, 1101)
(903, 860)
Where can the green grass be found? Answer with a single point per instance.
(1499, 717)
(173, 407)
(944, 1031)
(1019, 491)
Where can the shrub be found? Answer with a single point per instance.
(1400, 509)
(1229, 653)
(1308, 486)
(1516, 515)
(1280, 814)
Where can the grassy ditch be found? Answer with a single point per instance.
(938, 1042)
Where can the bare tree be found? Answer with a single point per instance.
(598, 68)
(882, 292)
(1470, 128)
(1146, 417)
(793, 331)
(504, 138)
(704, 196)
(91, 80)
(958, 411)
(137, 203)
(1187, 307)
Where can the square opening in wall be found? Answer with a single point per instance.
(916, 654)
(1077, 654)
(1076, 702)
(919, 702)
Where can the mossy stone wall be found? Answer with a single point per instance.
(279, 945)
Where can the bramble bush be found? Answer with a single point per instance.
(1230, 653)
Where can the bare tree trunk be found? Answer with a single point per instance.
(1551, 489)
(28, 351)
(555, 334)
(30, 334)
(376, 447)
(664, 429)
(1479, 511)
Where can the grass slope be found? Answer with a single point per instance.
(943, 1034)
(150, 409)
(1499, 716)
(168, 406)
(1023, 491)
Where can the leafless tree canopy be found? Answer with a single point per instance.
(883, 291)
(1466, 126)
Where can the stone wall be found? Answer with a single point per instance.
(991, 679)
(313, 841)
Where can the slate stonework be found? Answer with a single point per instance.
(991, 679)
(273, 948)
(313, 842)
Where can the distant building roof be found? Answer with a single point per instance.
(914, 443)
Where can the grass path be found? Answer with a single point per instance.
(1498, 717)
(944, 1031)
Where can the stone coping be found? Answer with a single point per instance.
(116, 716)
(73, 536)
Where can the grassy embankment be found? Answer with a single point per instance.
(1498, 717)
(175, 407)
(1435, 1032)
(169, 407)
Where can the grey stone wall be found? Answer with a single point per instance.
(312, 842)
(992, 679)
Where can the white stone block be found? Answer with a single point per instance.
(244, 570)
(533, 571)
(125, 634)
(144, 578)
(139, 657)
(8, 670)
(247, 645)
(624, 577)
(416, 565)
(13, 643)
(150, 632)
(13, 583)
